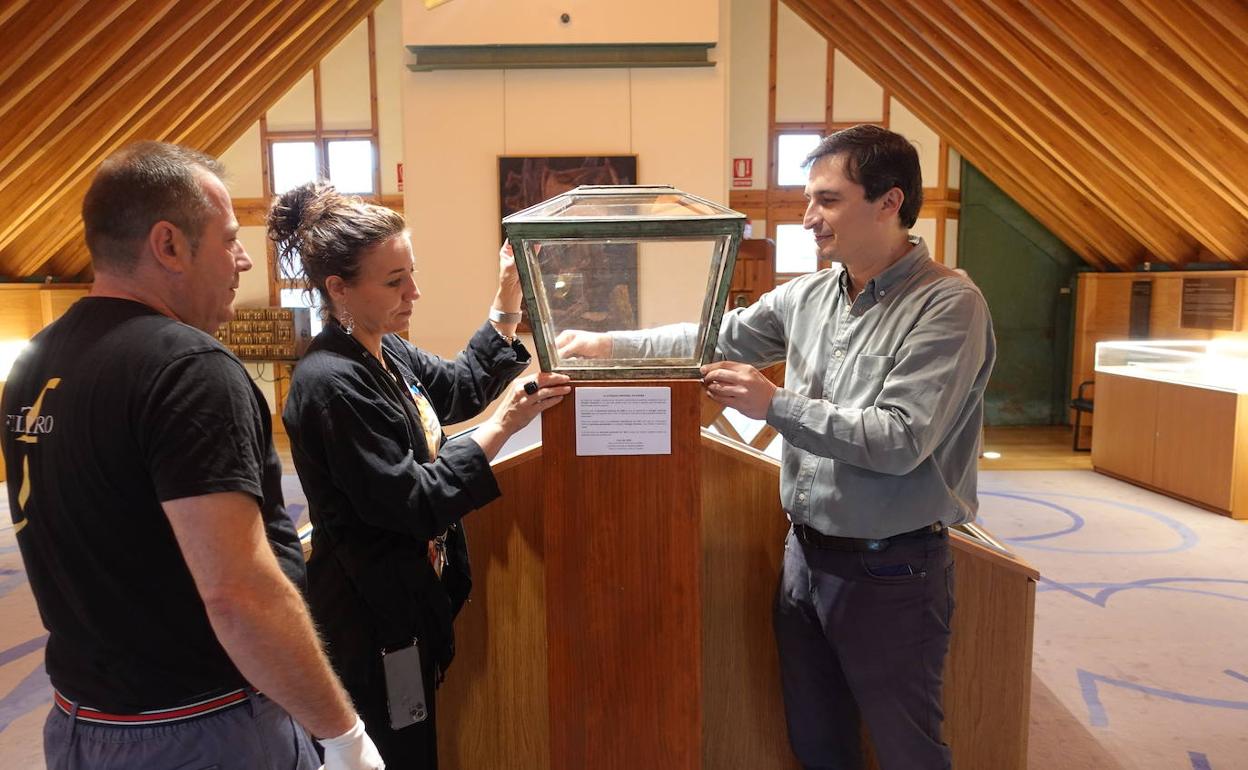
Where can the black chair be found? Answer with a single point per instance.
(1081, 403)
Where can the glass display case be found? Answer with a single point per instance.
(625, 258)
(1218, 364)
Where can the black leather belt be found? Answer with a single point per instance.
(816, 539)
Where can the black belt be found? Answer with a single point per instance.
(816, 539)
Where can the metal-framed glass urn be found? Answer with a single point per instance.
(624, 259)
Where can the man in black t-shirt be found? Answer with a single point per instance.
(146, 500)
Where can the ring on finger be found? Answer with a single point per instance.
(530, 387)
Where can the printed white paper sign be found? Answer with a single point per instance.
(624, 421)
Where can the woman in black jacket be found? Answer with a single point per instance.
(386, 490)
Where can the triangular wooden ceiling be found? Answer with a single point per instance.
(1122, 125)
(79, 79)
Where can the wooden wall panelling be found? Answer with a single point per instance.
(1239, 461)
(20, 312)
(112, 104)
(88, 78)
(1206, 38)
(28, 26)
(1126, 412)
(1103, 309)
(272, 70)
(1195, 443)
(743, 531)
(494, 704)
(23, 72)
(1061, 209)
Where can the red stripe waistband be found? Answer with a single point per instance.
(155, 717)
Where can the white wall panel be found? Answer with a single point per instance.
(801, 70)
(296, 110)
(904, 122)
(480, 22)
(345, 102)
(747, 96)
(856, 98)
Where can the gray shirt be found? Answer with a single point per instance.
(883, 397)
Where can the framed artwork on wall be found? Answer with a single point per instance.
(600, 302)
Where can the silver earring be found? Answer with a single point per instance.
(347, 321)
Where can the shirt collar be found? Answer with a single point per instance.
(896, 272)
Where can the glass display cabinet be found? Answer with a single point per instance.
(1213, 364)
(625, 258)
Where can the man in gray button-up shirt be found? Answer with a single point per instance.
(887, 357)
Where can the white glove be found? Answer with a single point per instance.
(353, 750)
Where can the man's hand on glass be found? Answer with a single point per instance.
(574, 343)
(739, 386)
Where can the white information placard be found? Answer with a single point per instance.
(624, 421)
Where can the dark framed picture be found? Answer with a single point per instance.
(598, 301)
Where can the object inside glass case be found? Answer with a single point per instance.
(625, 258)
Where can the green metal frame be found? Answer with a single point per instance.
(729, 225)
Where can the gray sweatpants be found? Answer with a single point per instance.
(258, 735)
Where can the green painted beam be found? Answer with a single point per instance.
(603, 56)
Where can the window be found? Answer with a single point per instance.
(300, 298)
(791, 151)
(294, 163)
(348, 164)
(795, 250)
(351, 163)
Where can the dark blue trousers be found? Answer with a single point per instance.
(863, 637)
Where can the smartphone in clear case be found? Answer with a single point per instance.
(405, 686)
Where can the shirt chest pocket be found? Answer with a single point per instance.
(865, 380)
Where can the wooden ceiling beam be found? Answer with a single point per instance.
(1205, 46)
(161, 94)
(1184, 123)
(108, 105)
(950, 116)
(211, 106)
(1097, 145)
(1008, 98)
(255, 91)
(244, 118)
(1189, 90)
(81, 35)
(72, 93)
(1230, 16)
(27, 28)
(1003, 144)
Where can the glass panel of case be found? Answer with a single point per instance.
(626, 259)
(1219, 364)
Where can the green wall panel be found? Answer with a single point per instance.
(1027, 276)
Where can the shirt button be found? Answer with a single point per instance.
(838, 352)
(881, 292)
(801, 497)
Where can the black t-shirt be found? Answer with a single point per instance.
(111, 410)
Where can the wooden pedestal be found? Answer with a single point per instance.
(622, 542)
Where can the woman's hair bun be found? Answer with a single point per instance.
(297, 209)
